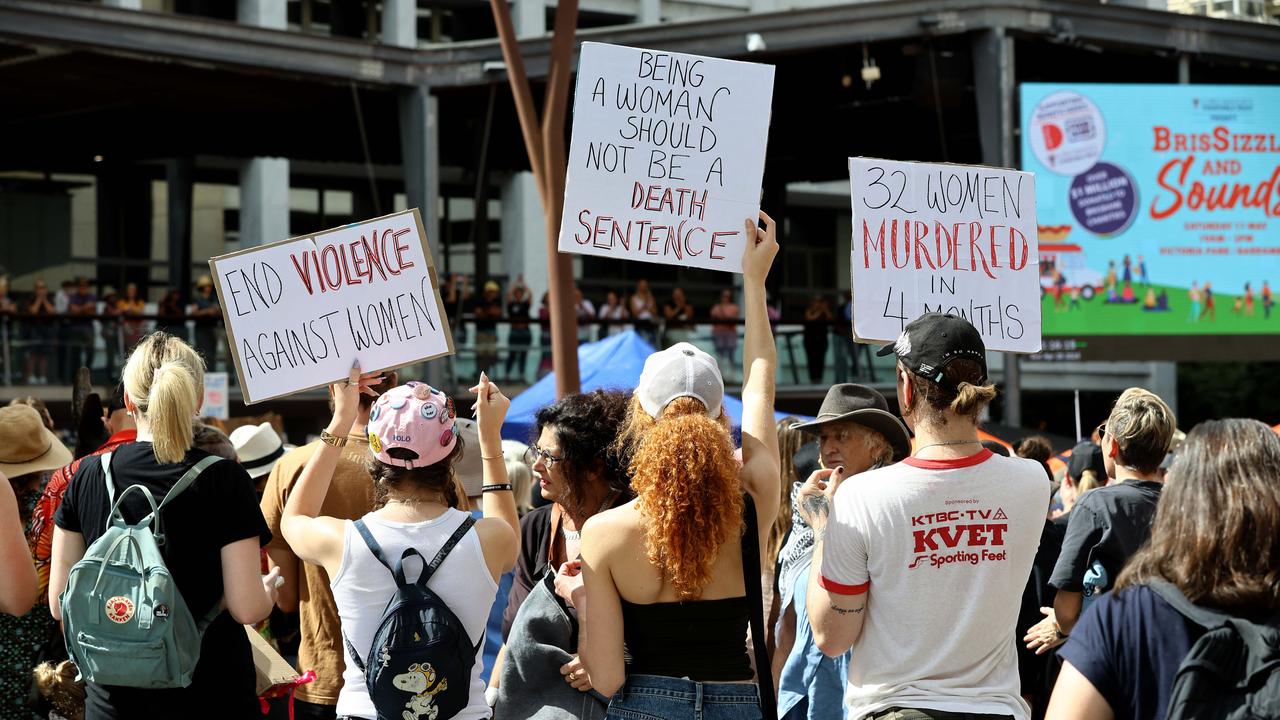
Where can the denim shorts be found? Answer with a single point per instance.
(653, 697)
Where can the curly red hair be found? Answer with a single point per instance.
(686, 482)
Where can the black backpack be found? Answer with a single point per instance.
(418, 666)
(1232, 672)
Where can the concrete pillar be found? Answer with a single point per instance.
(179, 173)
(272, 14)
(1164, 382)
(993, 73)
(264, 182)
(530, 18)
(124, 4)
(420, 146)
(650, 12)
(523, 243)
(400, 23)
(264, 201)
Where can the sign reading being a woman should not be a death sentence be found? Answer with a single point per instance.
(667, 156)
(300, 312)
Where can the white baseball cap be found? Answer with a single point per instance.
(681, 370)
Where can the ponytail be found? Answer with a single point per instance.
(171, 409)
(165, 379)
(970, 399)
(686, 481)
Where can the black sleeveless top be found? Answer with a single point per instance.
(703, 640)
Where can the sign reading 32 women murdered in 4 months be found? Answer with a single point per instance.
(299, 313)
(945, 238)
(667, 156)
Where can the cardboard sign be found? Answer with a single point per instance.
(270, 669)
(945, 238)
(667, 156)
(299, 313)
(216, 402)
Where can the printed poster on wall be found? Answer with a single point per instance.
(667, 156)
(956, 239)
(1159, 208)
(299, 313)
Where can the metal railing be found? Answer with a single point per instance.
(48, 349)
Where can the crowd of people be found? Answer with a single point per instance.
(57, 333)
(640, 558)
(661, 324)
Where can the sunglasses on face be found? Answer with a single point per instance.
(534, 453)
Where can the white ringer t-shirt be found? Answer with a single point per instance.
(943, 549)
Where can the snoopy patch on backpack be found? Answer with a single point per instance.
(420, 680)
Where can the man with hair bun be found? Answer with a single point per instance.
(923, 563)
(1108, 525)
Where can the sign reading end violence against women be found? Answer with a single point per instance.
(667, 156)
(300, 312)
(945, 238)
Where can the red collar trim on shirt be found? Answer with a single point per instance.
(949, 464)
(122, 437)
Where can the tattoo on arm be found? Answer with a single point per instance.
(848, 611)
(818, 506)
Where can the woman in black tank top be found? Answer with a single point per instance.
(688, 653)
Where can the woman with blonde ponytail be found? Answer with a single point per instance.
(665, 571)
(213, 532)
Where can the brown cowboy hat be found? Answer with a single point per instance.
(848, 402)
(26, 445)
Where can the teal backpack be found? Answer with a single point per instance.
(123, 619)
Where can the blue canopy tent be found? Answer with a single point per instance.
(614, 363)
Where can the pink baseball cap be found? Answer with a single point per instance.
(416, 417)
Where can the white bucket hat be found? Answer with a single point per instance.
(681, 370)
(257, 448)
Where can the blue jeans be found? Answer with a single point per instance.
(653, 697)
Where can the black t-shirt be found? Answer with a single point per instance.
(218, 509)
(1107, 525)
(483, 308)
(1129, 645)
(518, 310)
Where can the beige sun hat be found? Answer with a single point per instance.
(26, 445)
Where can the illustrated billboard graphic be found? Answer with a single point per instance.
(1159, 214)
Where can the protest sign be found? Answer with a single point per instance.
(216, 401)
(667, 156)
(945, 238)
(300, 312)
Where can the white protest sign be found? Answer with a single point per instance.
(667, 156)
(945, 238)
(300, 312)
(216, 402)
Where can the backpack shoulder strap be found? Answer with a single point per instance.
(1203, 617)
(463, 528)
(188, 478)
(374, 547)
(105, 459)
(755, 605)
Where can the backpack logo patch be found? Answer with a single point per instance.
(421, 681)
(120, 609)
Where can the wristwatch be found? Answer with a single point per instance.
(331, 439)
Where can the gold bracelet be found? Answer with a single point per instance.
(492, 457)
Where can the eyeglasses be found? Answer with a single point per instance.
(1102, 431)
(534, 453)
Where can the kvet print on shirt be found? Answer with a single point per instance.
(952, 537)
(420, 680)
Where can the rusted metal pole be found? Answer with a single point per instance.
(544, 141)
